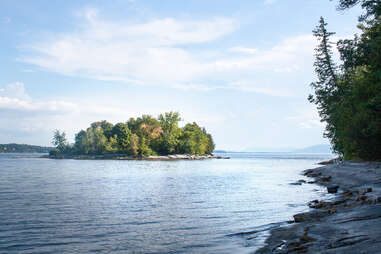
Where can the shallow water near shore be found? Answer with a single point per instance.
(106, 206)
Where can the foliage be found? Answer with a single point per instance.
(348, 97)
(169, 140)
(143, 136)
(60, 141)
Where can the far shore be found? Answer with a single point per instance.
(128, 157)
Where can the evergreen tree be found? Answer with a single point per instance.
(349, 97)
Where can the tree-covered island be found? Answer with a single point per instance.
(141, 137)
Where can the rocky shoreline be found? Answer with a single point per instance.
(127, 157)
(350, 223)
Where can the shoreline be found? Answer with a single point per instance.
(349, 223)
(128, 157)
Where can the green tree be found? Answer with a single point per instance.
(349, 100)
(143, 136)
(134, 145)
(143, 148)
(60, 141)
(148, 130)
(80, 145)
(123, 136)
(194, 140)
(326, 88)
(210, 146)
(96, 141)
(169, 138)
(107, 128)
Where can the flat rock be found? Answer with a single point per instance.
(310, 216)
(332, 188)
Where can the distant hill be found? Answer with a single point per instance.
(268, 150)
(23, 148)
(323, 148)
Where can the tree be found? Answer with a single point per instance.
(143, 136)
(326, 88)
(96, 141)
(171, 132)
(123, 136)
(134, 145)
(349, 98)
(107, 128)
(80, 145)
(210, 146)
(372, 7)
(59, 141)
(143, 147)
(194, 140)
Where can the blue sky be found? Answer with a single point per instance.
(240, 68)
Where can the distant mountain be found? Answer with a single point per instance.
(23, 148)
(323, 148)
(268, 150)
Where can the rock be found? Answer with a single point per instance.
(308, 171)
(332, 161)
(332, 188)
(326, 178)
(310, 216)
(306, 239)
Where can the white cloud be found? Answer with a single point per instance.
(261, 89)
(270, 1)
(289, 55)
(138, 53)
(55, 107)
(154, 54)
(245, 50)
(14, 90)
(21, 116)
(306, 118)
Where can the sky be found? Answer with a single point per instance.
(241, 69)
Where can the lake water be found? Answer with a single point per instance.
(73, 206)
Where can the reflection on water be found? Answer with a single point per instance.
(72, 206)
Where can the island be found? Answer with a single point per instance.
(23, 148)
(145, 137)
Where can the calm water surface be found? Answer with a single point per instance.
(72, 206)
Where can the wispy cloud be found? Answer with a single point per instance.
(20, 113)
(306, 118)
(137, 53)
(239, 49)
(159, 53)
(270, 1)
(261, 89)
(14, 90)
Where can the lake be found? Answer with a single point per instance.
(107, 206)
